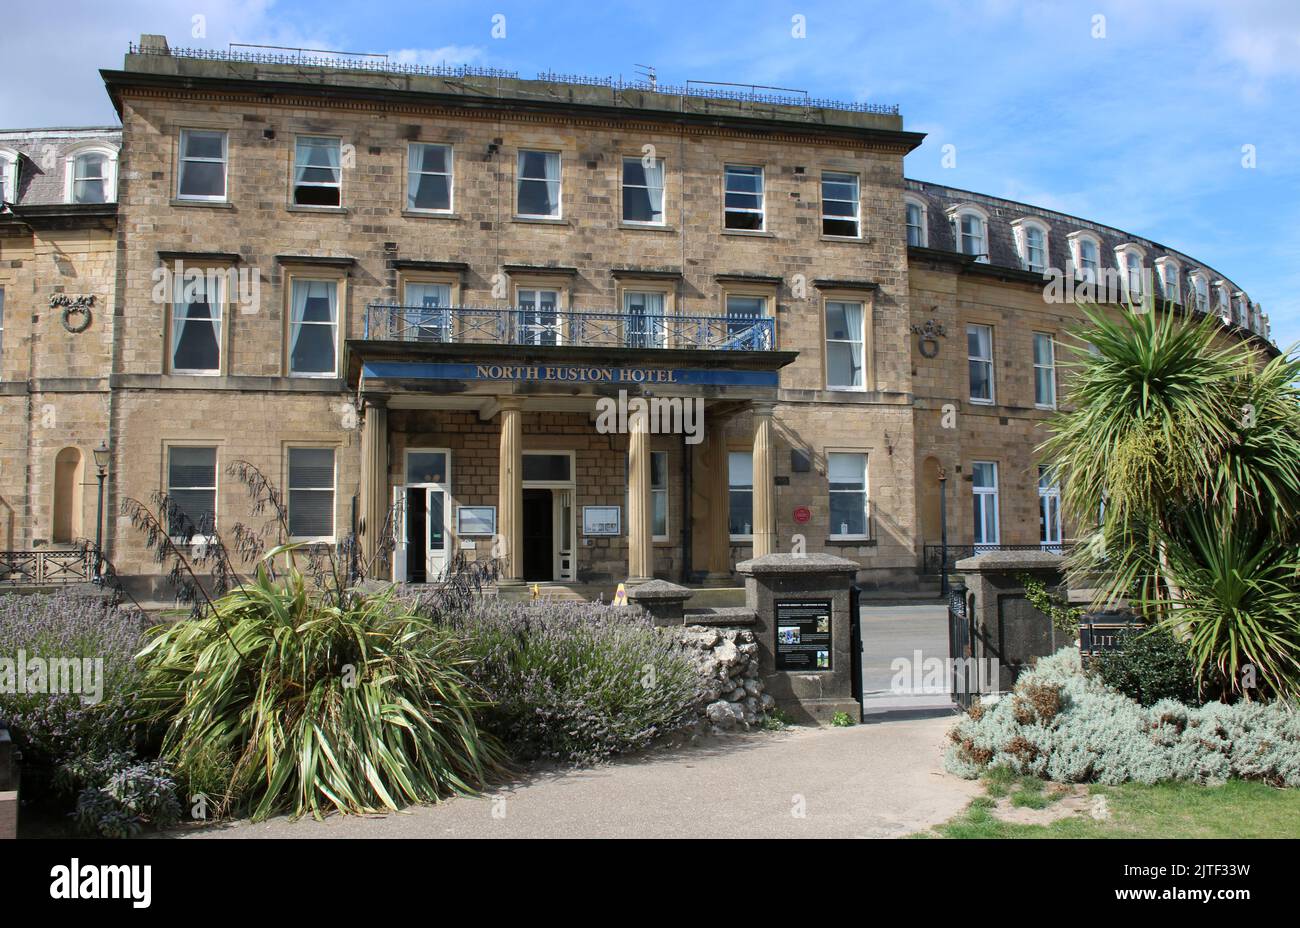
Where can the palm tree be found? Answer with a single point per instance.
(1191, 447)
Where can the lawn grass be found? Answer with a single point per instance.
(1237, 809)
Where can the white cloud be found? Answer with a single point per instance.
(446, 55)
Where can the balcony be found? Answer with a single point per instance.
(543, 326)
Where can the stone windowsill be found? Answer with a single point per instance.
(421, 214)
(320, 210)
(203, 204)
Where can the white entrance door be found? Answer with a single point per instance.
(399, 534)
(562, 520)
(437, 533)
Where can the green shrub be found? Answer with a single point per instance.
(576, 682)
(316, 706)
(1150, 665)
(1068, 726)
(122, 795)
(842, 720)
(54, 729)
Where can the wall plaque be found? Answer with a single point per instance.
(803, 634)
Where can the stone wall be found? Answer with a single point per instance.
(728, 660)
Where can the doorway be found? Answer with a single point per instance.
(422, 517)
(549, 525)
(539, 535)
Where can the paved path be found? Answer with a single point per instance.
(877, 780)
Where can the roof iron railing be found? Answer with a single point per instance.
(380, 63)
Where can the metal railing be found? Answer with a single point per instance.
(933, 555)
(50, 567)
(570, 328)
(380, 63)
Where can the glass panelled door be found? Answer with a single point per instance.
(436, 532)
(645, 324)
(399, 534)
(539, 317)
(427, 312)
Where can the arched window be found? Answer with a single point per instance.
(8, 176)
(1170, 276)
(1223, 302)
(66, 526)
(1085, 249)
(91, 175)
(970, 229)
(1031, 242)
(918, 228)
(1201, 291)
(1241, 309)
(1129, 258)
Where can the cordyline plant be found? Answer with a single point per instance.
(310, 706)
(1180, 464)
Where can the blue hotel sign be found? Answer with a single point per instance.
(568, 374)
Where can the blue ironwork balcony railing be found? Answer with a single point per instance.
(933, 562)
(46, 567)
(526, 325)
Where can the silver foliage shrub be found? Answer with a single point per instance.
(1064, 725)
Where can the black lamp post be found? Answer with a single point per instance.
(943, 532)
(102, 455)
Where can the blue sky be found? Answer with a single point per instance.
(1142, 129)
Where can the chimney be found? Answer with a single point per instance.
(154, 45)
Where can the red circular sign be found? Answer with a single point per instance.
(802, 514)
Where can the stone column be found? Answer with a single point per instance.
(510, 488)
(640, 518)
(764, 487)
(717, 535)
(374, 481)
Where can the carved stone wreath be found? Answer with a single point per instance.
(930, 334)
(76, 311)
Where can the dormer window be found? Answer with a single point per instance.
(1201, 292)
(1031, 242)
(1086, 251)
(1241, 309)
(971, 231)
(1169, 278)
(1129, 258)
(918, 233)
(8, 176)
(1223, 302)
(91, 175)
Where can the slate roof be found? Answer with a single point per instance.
(42, 154)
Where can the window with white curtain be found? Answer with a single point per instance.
(979, 355)
(840, 205)
(1044, 371)
(313, 327)
(311, 493)
(845, 346)
(984, 486)
(192, 490)
(659, 494)
(197, 302)
(1049, 509)
(318, 171)
(643, 191)
(740, 495)
(426, 306)
(645, 318)
(428, 178)
(538, 193)
(540, 317)
(846, 476)
(743, 198)
(201, 170)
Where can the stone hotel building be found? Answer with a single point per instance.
(406, 295)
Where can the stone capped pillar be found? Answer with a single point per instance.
(640, 515)
(764, 484)
(510, 488)
(374, 481)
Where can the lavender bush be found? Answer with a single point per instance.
(54, 729)
(576, 682)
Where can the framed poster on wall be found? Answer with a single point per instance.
(476, 520)
(601, 520)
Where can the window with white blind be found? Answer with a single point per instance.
(201, 170)
(313, 328)
(740, 495)
(197, 303)
(643, 191)
(311, 494)
(429, 182)
(538, 191)
(743, 198)
(192, 491)
(845, 345)
(840, 205)
(979, 356)
(846, 476)
(984, 487)
(1044, 371)
(318, 171)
